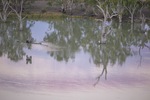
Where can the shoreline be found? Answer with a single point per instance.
(41, 10)
(59, 15)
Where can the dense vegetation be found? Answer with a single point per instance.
(106, 9)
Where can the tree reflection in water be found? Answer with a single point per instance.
(75, 35)
(12, 40)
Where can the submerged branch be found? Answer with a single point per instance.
(98, 78)
(140, 56)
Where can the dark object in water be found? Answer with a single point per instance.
(31, 42)
(28, 41)
(28, 59)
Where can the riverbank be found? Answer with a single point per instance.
(42, 9)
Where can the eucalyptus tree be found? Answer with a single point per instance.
(105, 8)
(12, 43)
(5, 11)
(17, 7)
(117, 6)
(63, 35)
(143, 4)
(70, 4)
(90, 7)
(66, 5)
(131, 6)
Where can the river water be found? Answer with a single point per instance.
(74, 59)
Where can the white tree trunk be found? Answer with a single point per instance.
(132, 10)
(70, 4)
(120, 18)
(107, 14)
(20, 24)
(3, 17)
(19, 14)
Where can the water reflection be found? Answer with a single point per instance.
(12, 40)
(28, 59)
(106, 44)
(118, 41)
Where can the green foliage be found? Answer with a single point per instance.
(91, 2)
(130, 2)
(54, 2)
(17, 2)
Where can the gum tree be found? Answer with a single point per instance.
(118, 8)
(17, 7)
(131, 6)
(143, 4)
(66, 5)
(90, 7)
(5, 11)
(105, 8)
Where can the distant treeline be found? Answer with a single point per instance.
(106, 9)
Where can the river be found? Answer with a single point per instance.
(74, 59)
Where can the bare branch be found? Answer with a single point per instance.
(113, 15)
(14, 10)
(147, 46)
(98, 78)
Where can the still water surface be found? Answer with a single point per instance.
(74, 59)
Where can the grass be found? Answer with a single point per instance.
(45, 16)
(37, 16)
